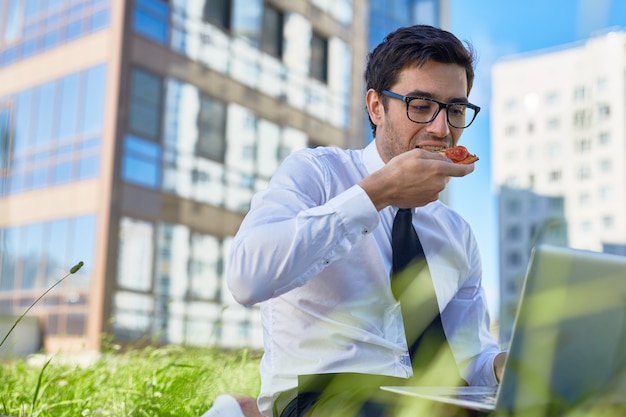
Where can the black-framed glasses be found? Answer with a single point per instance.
(425, 110)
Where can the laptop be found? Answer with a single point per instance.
(568, 347)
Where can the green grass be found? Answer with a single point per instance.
(153, 381)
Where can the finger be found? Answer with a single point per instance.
(457, 170)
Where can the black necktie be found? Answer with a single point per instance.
(412, 285)
(405, 244)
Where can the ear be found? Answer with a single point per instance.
(375, 108)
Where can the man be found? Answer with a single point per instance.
(315, 249)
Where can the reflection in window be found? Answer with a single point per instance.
(132, 315)
(605, 193)
(208, 147)
(272, 31)
(141, 162)
(134, 267)
(35, 256)
(32, 27)
(513, 233)
(242, 136)
(267, 148)
(513, 207)
(50, 145)
(217, 12)
(187, 283)
(145, 103)
(246, 20)
(6, 143)
(604, 138)
(513, 259)
(604, 111)
(319, 58)
(151, 19)
(211, 129)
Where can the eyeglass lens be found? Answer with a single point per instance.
(424, 111)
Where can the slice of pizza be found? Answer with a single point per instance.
(459, 155)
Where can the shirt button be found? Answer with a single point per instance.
(365, 231)
(326, 261)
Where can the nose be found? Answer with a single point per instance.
(439, 126)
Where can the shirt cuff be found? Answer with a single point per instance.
(356, 211)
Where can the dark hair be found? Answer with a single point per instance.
(415, 45)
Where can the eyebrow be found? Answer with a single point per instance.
(426, 94)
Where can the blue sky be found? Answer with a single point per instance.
(497, 29)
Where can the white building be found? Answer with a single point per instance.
(558, 136)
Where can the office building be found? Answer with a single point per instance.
(132, 137)
(559, 154)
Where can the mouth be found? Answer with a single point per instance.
(432, 148)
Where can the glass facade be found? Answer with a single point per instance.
(186, 148)
(29, 27)
(271, 51)
(34, 256)
(206, 150)
(52, 132)
(169, 286)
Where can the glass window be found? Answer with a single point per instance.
(319, 58)
(604, 138)
(513, 233)
(93, 104)
(604, 111)
(554, 175)
(100, 20)
(553, 98)
(88, 162)
(606, 165)
(272, 32)
(211, 129)
(32, 251)
(173, 256)
(145, 103)
(513, 259)
(9, 256)
(580, 93)
(82, 236)
(23, 121)
(134, 268)
(241, 136)
(58, 238)
(293, 140)
(513, 207)
(45, 114)
(267, 148)
(68, 106)
(150, 19)
(583, 172)
(131, 315)
(206, 266)
(141, 162)
(217, 12)
(246, 20)
(5, 142)
(14, 21)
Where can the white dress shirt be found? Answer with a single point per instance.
(315, 252)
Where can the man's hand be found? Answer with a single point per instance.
(412, 179)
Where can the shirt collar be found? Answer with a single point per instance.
(371, 158)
